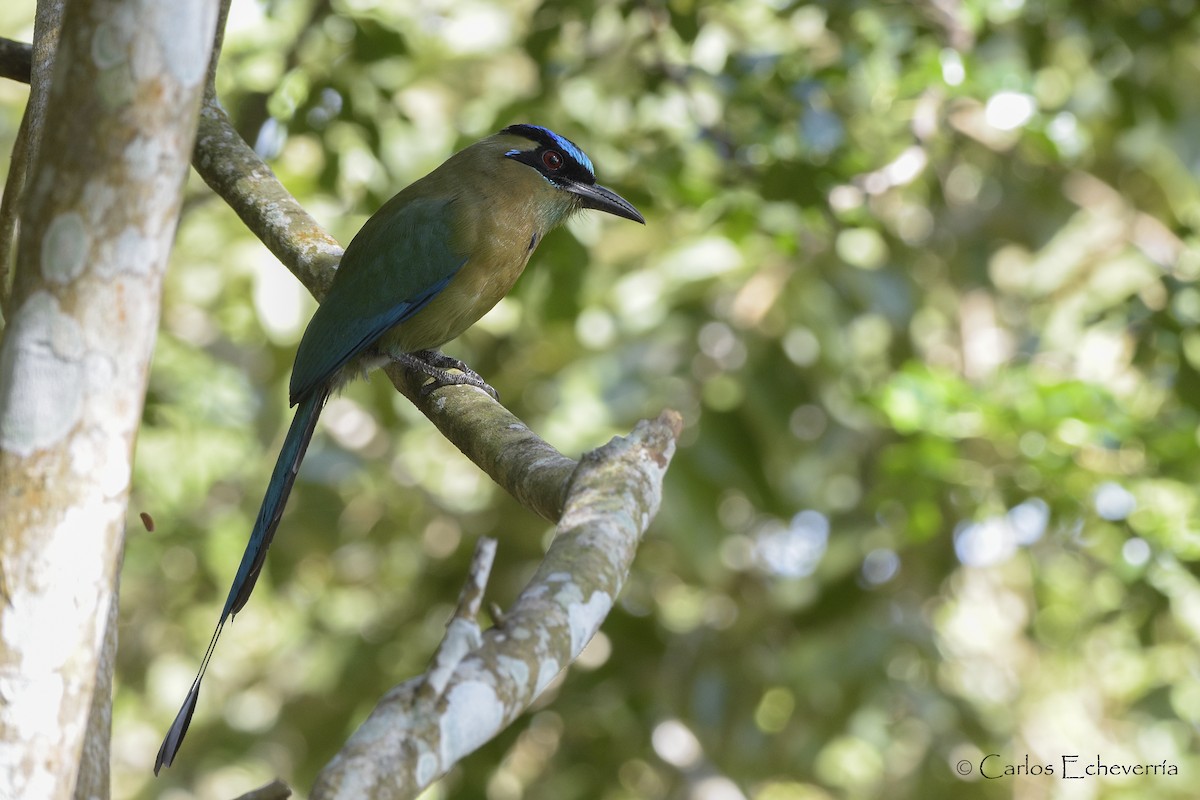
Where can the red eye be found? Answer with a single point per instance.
(552, 159)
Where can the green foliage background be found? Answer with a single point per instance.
(922, 278)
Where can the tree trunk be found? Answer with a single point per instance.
(100, 207)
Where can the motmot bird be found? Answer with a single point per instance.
(424, 268)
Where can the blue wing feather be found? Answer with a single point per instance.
(400, 260)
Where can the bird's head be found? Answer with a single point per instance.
(567, 169)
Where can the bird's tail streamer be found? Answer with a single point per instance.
(282, 477)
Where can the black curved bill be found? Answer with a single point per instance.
(593, 195)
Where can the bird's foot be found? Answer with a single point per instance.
(437, 365)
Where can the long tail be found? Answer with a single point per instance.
(284, 475)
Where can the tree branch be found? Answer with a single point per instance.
(275, 790)
(462, 631)
(16, 60)
(423, 727)
(235, 172)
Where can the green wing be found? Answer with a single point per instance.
(397, 263)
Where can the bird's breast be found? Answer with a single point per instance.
(495, 260)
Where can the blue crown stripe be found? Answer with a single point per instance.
(550, 138)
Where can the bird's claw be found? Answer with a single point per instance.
(438, 365)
